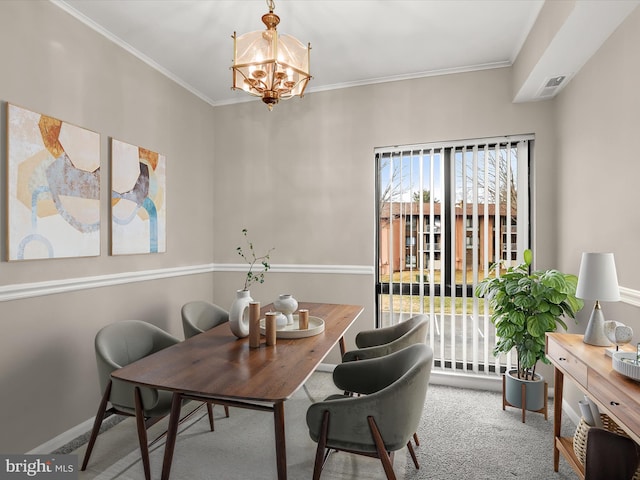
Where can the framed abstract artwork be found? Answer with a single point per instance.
(53, 187)
(138, 204)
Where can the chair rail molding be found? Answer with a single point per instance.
(632, 297)
(20, 291)
(50, 287)
(301, 268)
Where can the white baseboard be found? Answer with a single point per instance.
(326, 367)
(465, 380)
(64, 438)
(476, 382)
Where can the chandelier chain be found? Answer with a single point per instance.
(271, 5)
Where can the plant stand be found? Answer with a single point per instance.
(524, 399)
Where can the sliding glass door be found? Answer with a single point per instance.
(446, 213)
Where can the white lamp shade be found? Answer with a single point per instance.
(598, 279)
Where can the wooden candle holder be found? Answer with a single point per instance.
(254, 325)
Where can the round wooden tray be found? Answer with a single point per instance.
(316, 326)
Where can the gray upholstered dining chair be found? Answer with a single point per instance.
(610, 456)
(384, 418)
(120, 344)
(199, 316)
(383, 341)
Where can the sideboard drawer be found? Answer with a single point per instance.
(566, 361)
(618, 395)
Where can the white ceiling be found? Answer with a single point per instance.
(354, 42)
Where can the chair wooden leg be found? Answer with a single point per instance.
(322, 445)
(210, 413)
(142, 434)
(96, 425)
(343, 347)
(415, 439)
(380, 448)
(413, 455)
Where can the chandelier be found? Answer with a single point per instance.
(269, 65)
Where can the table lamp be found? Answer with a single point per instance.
(597, 281)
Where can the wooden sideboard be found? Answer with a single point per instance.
(590, 369)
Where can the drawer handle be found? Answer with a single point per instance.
(615, 404)
(562, 359)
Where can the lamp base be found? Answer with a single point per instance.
(594, 335)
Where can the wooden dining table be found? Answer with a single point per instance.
(219, 367)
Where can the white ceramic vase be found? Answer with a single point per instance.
(286, 304)
(239, 314)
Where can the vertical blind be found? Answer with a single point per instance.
(446, 213)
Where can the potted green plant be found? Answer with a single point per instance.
(239, 312)
(525, 305)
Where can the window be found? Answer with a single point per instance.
(446, 213)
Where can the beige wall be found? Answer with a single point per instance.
(300, 178)
(53, 64)
(598, 117)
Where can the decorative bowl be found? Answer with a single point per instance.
(626, 364)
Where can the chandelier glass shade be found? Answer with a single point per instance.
(269, 65)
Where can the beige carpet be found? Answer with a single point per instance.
(242, 447)
(464, 434)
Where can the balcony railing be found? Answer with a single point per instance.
(460, 331)
(461, 342)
